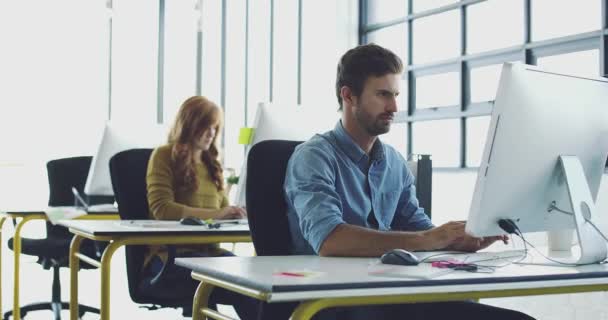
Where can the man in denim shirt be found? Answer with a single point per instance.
(348, 194)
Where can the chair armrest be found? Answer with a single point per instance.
(171, 252)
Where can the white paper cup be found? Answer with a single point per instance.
(560, 240)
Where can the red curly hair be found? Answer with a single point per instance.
(195, 116)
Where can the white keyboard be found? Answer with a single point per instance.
(104, 207)
(486, 258)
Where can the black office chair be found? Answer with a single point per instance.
(266, 207)
(53, 251)
(128, 173)
(267, 210)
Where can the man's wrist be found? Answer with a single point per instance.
(419, 241)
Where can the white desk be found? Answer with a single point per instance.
(135, 232)
(347, 282)
(25, 216)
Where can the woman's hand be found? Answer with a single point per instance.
(232, 212)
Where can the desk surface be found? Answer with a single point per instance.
(358, 276)
(25, 211)
(148, 227)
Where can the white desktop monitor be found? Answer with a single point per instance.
(538, 117)
(285, 122)
(117, 137)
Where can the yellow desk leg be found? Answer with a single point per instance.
(306, 310)
(104, 309)
(17, 254)
(74, 266)
(201, 300)
(1, 223)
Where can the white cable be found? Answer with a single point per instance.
(554, 207)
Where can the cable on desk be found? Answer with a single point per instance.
(554, 207)
(520, 234)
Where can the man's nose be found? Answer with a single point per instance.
(392, 105)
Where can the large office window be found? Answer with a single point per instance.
(179, 68)
(54, 90)
(258, 62)
(236, 12)
(211, 57)
(559, 18)
(138, 60)
(458, 48)
(285, 52)
(495, 24)
(53, 78)
(134, 60)
(319, 60)
(436, 37)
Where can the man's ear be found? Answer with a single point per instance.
(347, 96)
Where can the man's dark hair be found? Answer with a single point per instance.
(361, 62)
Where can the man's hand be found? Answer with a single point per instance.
(445, 235)
(472, 244)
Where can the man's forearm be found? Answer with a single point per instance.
(355, 241)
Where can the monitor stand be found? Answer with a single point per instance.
(592, 244)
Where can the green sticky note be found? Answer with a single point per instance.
(246, 135)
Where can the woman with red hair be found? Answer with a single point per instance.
(184, 179)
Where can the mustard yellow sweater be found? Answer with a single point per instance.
(166, 203)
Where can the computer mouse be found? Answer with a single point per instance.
(191, 221)
(399, 257)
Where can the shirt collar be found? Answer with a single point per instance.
(352, 149)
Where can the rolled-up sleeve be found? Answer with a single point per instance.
(311, 193)
(159, 180)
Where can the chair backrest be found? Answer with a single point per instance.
(128, 174)
(422, 167)
(266, 207)
(63, 174)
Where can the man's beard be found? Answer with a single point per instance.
(373, 126)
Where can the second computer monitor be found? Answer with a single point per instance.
(118, 137)
(538, 117)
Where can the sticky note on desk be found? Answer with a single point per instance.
(298, 273)
(246, 135)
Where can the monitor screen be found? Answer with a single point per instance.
(539, 116)
(282, 122)
(117, 137)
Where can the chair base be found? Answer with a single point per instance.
(56, 307)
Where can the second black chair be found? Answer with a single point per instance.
(128, 172)
(53, 251)
(267, 210)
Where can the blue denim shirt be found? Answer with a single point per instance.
(330, 180)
